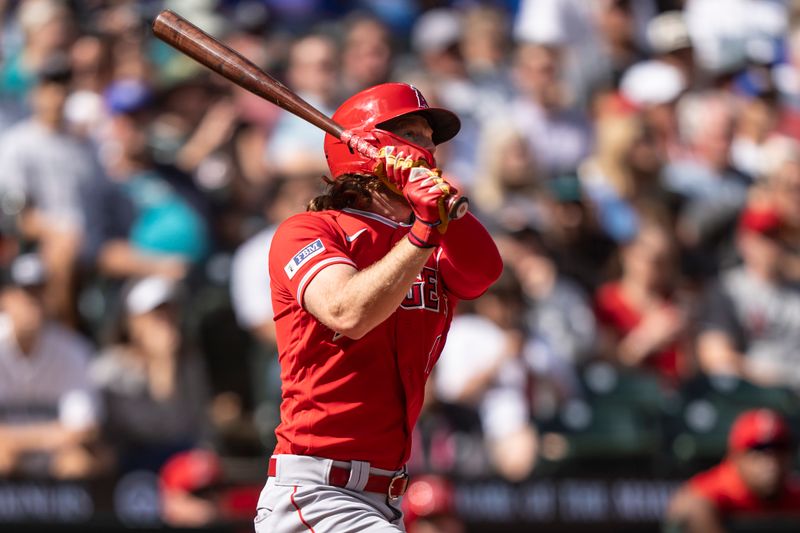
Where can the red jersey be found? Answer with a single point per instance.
(723, 487)
(349, 399)
(614, 312)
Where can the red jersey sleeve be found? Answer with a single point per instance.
(468, 258)
(303, 246)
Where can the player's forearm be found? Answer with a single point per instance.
(471, 261)
(371, 295)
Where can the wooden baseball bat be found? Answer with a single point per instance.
(205, 49)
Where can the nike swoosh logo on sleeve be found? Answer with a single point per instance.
(354, 236)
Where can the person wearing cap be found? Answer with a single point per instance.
(150, 219)
(751, 322)
(197, 491)
(153, 384)
(755, 479)
(45, 171)
(48, 406)
(670, 42)
(189, 483)
(364, 285)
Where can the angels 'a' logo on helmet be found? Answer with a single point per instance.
(421, 102)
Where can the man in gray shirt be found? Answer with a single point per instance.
(44, 173)
(751, 324)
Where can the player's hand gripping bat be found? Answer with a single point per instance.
(205, 49)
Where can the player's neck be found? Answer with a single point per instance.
(391, 206)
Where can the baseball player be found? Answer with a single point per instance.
(364, 285)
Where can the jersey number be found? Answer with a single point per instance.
(423, 292)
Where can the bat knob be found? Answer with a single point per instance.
(457, 207)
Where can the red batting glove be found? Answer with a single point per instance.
(397, 157)
(426, 192)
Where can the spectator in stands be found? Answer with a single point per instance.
(47, 27)
(435, 41)
(46, 171)
(249, 281)
(153, 383)
(428, 507)
(599, 39)
(623, 172)
(560, 135)
(641, 323)
(197, 491)
(295, 146)
(150, 220)
(653, 88)
(754, 480)
(580, 248)
(507, 186)
(482, 367)
(712, 190)
(751, 323)
(485, 46)
(779, 189)
(366, 56)
(189, 483)
(670, 42)
(48, 407)
(559, 320)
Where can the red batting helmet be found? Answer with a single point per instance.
(369, 109)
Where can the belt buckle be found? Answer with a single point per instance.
(399, 481)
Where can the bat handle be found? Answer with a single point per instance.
(457, 205)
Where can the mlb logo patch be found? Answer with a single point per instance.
(306, 253)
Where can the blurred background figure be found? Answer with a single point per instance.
(150, 219)
(671, 43)
(558, 133)
(482, 367)
(366, 55)
(429, 508)
(46, 27)
(295, 146)
(577, 243)
(641, 320)
(623, 174)
(46, 173)
(189, 485)
(754, 480)
(750, 324)
(152, 379)
(558, 318)
(779, 190)
(507, 186)
(197, 490)
(711, 189)
(50, 410)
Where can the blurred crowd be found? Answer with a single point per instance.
(638, 163)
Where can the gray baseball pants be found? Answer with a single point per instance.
(299, 500)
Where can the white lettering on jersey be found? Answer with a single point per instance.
(304, 254)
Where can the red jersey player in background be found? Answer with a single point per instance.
(364, 285)
(754, 480)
